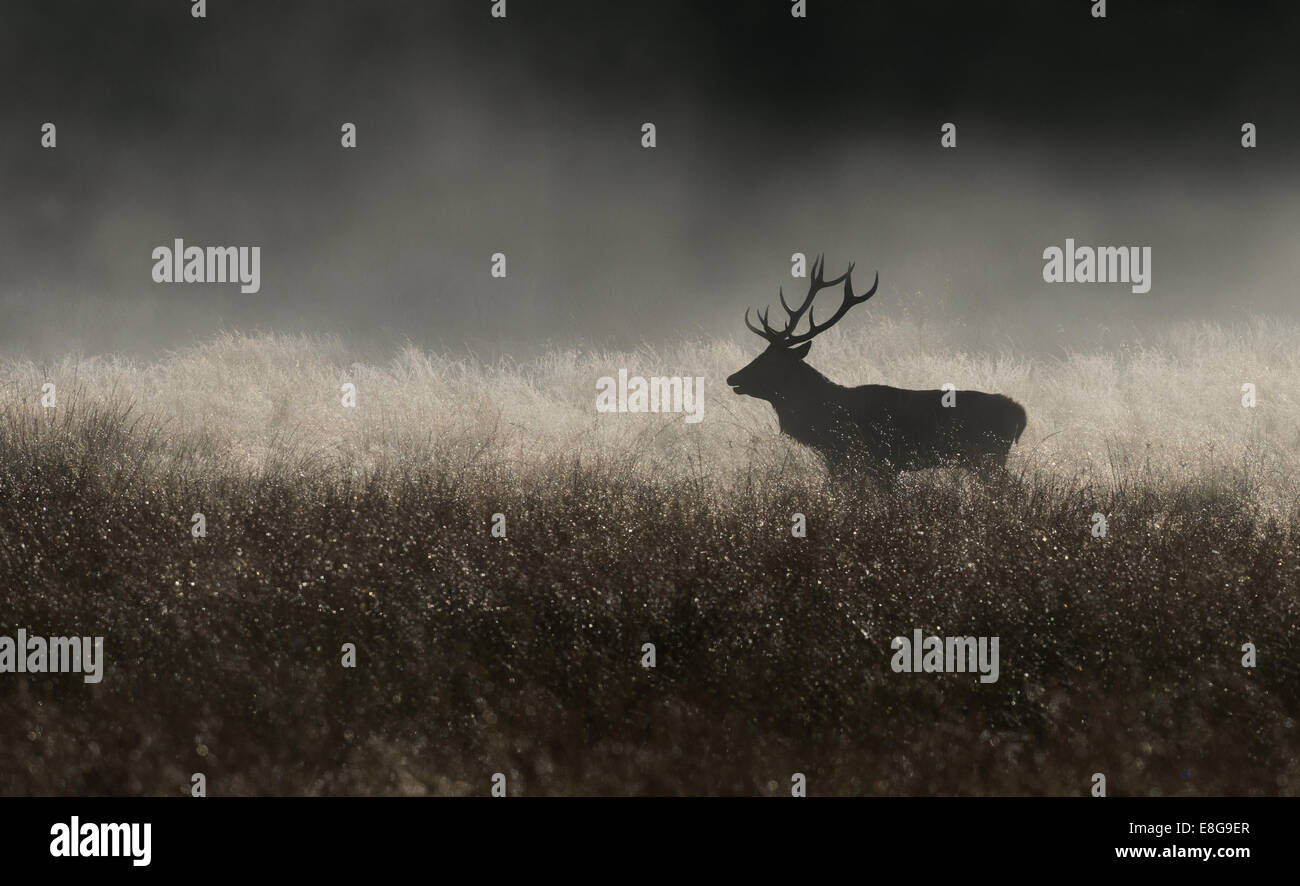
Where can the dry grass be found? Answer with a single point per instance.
(370, 525)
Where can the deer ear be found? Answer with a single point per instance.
(800, 352)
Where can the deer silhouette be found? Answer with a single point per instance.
(873, 429)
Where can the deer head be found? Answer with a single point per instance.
(768, 373)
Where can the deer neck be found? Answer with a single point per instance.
(801, 401)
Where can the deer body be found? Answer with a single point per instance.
(877, 429)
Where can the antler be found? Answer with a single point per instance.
(787, 336)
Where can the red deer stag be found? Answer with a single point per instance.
(872, 428)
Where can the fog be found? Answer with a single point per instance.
(478, 136)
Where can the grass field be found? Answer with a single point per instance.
(522, 655)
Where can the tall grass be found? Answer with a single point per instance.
(1162, 412)
(522, 655)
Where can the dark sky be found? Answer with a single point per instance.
(523, 136)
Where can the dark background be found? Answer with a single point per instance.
(522, 135)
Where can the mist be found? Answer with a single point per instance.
(523, 137)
